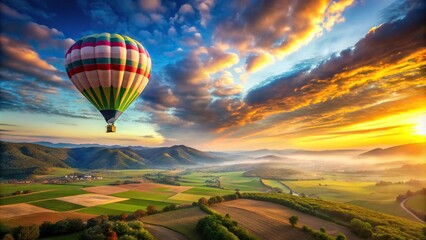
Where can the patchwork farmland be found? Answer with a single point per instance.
(90, 198)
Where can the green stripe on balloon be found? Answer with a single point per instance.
(104, 95)
(96, 97)
(132, 98)
(89, 97)
(112, 98)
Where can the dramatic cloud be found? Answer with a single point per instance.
(36, 34)
(150, 5)
(205, 7)
(277, 27)
(258, 61)
(383, 74)
(7, 11)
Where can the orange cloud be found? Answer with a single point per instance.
(278, 28)
(258, 61)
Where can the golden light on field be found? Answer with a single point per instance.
(420, 127)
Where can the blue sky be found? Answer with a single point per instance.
(226, 75)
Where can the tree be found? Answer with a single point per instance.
(340, 237)
(27, 232)
(127, 237)
(8, 237)
(322, 230)
(170, 208)
(360, 228)
(111, 235)
(97, 220)
(203, 200)
(293, 220)
(46, 228)
(151, 209)
(123, 216)
(75, 225)
(121, 228)
(139, 213)
(3, 230)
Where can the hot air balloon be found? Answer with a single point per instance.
(110, 70)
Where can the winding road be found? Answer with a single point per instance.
(409, 212)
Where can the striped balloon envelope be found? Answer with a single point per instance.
(110, 70)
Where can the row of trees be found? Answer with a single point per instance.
(320, 235)
(383, 225)
(98, 228)
(20, 233)
(101, 228)
(218, 227)
(18, 192)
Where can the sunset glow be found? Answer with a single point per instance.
(330, 74)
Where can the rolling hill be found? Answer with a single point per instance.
(27, 157)
(413, 149)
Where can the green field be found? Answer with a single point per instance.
(207, 191)
(103, 211)
(7, 189)
(188, 198)
(60, 191)
(417, 203)
(156, 196)
(276, 184)
(236, 180)
(365, 194)
(127, 206)
(57, 205)
(229, 180)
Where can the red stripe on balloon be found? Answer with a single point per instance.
(118, 67)
(103, 42)
(118, 44)
(102, 66)
(130, 69)
(88, 44)
(133, 47)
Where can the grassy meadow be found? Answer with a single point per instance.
(364, 194)
(417, 202)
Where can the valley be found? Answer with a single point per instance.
(60, 192)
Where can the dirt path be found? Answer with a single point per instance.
(271, 220)
(162, 233)
(402, 204)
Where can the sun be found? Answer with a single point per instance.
(421, 125)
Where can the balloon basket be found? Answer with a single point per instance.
(110, 128)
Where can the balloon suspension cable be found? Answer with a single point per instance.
(110, 128)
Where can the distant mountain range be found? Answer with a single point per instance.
(412, 149)
(28, 157)
(16, 157)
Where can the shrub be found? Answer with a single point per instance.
(97, 220)
(151, 210)
(4, 230)
(8, 237)
(127, 237)
(340, 236)
(46, 228)
(293, 220)
(360, 228)
(26, 232)
(111, 235)
(75, 225)
(203, 200)
(139, 213)
(170, 208)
